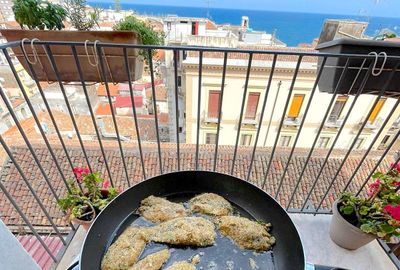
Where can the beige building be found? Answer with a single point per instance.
(278, 95)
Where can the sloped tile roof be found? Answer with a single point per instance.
(14, 184)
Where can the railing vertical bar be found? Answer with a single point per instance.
(26, 140)
(37, 121)
(242, 111)
(384, 88)
(220, 110)
(271, 74)
(379, 162)
(134, 112)
(27, 222)
(153, 92)
(371, 145)
(53, 121)
(296, 71)
(92, 116)
(303, 169)
(71, 114)
(29, 186)
(177, 107)
(103, 73)
(365, 79)
(300, 127)
(198, 108)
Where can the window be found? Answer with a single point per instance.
(213, 104)
(359, 143)
(295, 107)
(252, 104)
(323, 142)
(195, 28)
(211, 138)
(385, 140)
(337, 108)
(245, 139)
(285, 141)
(376, 110)
(179, 81)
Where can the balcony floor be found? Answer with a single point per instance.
(319, 248)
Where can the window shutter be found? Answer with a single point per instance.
(297, 101)
(252, 104)
(213, 103)
(376, 110)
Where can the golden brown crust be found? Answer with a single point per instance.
(182, 266)
(210, 204)
(246, 233)
(156, 209)
(153, 261)
(125, 251)
(188, 231)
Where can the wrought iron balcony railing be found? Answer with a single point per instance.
(130, 147)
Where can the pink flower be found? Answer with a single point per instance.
(79, 172)
(374, 187)
(396, 184)
(393, 211)
(395, 166)
(106, 184)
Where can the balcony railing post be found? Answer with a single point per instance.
(365, 79)
(246, 83)
(220, 110)
(103, 73)
(296, 71)
(177, 107)
(155, 111)
(300, 127)
(303, 169)
(268, 87)
(128, 73)
(199, 108)
(78, 66)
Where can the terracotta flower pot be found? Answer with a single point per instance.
(85, 224)
(346, 235)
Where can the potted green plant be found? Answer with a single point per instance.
(47, 24)
(357, 220)
(85, 202)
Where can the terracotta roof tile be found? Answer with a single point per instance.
(161, 93)
(14, 184)
(102, 91)
(103, 109)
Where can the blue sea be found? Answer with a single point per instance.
(291, 28)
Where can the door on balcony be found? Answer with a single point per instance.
(295, 107)
(213, 104)
(337, 108)
(376, 110)
(252, 104)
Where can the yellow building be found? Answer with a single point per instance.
(278, 95)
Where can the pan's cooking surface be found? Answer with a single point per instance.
(287, 252)
(224, 254)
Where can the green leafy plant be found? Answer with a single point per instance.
(147, 35)
(80, 19)
(86, 202)
(36, 14)
(379, 213)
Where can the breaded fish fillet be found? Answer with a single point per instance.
(153, 261)
(182, 266)
(188, 231)
(156, 209)
(210, 204)
(125, 251)
(246, 233)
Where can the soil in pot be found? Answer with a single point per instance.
(344, 233)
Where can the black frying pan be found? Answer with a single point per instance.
(287, 253)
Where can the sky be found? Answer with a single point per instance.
(382, 8)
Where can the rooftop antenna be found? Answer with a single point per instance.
(208, 3)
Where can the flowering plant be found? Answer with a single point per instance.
(379, 212)
(89, 194)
